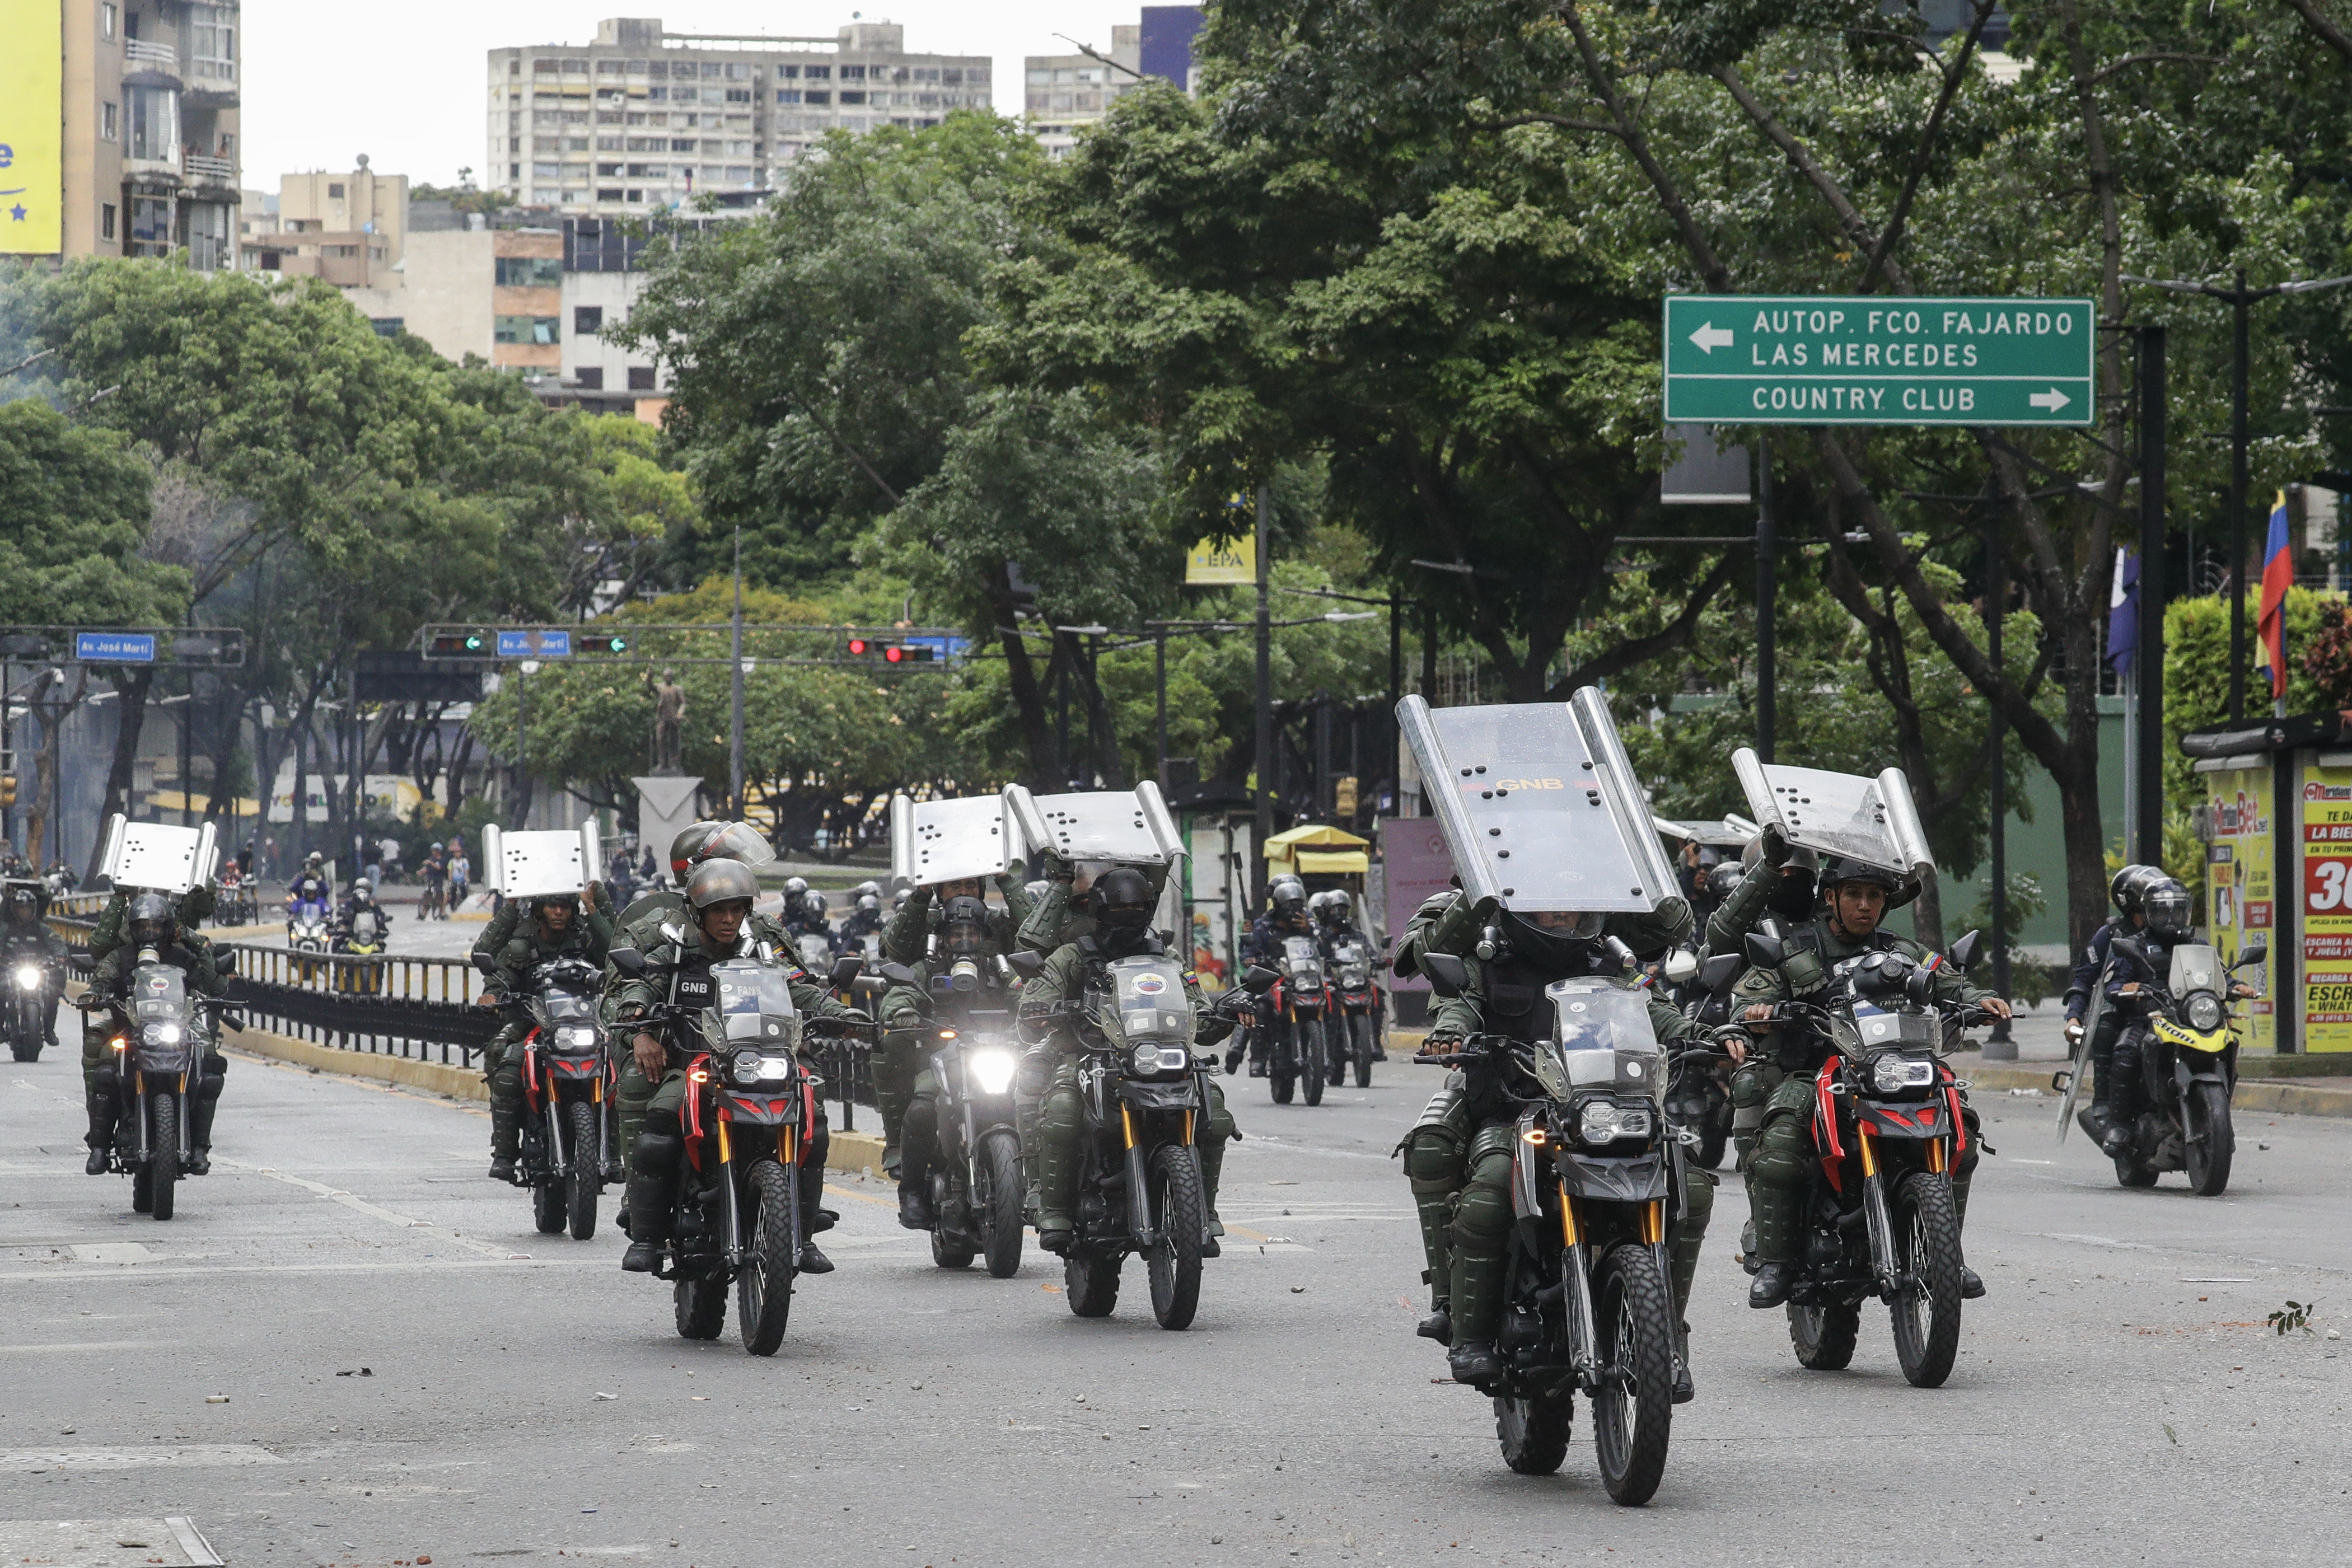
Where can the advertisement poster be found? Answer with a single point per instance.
(2327, 908)
(2238, 876)
(1418, 864)
(32, 89)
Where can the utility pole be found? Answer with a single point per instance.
(1765, 584)
(1999, 1045)
(1159, 670)
(735, 693)
(2147, 660)
(522, 737)
(1264, 700)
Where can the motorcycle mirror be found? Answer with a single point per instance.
(898, 974)
(1682, 965)
(2128, 946)
(484, 963)
(845, 970)
(627, 960)
(1765, 952)
(1447, 974)
(225, 959)
(1257, 980)
(1964, 951)
(2252, 953)
(1719, 970)
(1621, 955)
(1026, 964)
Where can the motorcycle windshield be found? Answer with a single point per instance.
(1349, 953)
(564, 1007)
(1870, 820)
(1881, 1029)
(1538, 804)
(2195, 968)
(1301, 954)
(1601, 1038)
(1149, 994)
(754, 1002)
(816, 953)
(363, 926)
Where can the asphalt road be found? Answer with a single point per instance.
(410, 1372)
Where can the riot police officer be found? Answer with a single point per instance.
(913, 931)
(26, 935)
(2084, 984)
(150, 924)
(551, 925)
(962, 973)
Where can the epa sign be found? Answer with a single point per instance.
(1877, 360)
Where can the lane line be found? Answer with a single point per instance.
(373, 1211)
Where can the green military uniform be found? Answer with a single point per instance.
(1059, 1121)
(1457, 1157)
(1776, 1079)
(514, 948)
(193, 908)
(907, 940)
(107, 980)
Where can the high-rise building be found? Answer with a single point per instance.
(642, 118)
(120, 118)
(348, 228)
(1065, 92)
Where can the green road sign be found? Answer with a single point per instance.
(1878, 359)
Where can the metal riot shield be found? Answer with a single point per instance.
(540, 862)
(152, 856)
(1129, 827)
(932, 841)
(1870, 820)
(2091, 1019)
(1540, 805)
(1730, 831)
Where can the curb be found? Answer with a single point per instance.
(855, 1152)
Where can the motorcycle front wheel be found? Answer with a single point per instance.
(164, 1161)
(997, 1202)
(1927, 1311)
(763, 1290)
(1361, 1028)
(587, 1177)
(1633, 1413)
(2211, 1143)
(1534, 1431)
(1312, 1052)
(1180, 1217)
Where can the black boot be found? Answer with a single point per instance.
(1474, 1361)
(202, 1106)
(914, 1207)
(506, 1132)
(648, 1227)
(813, 1260)
(1972, 1285)
(1771, 1285)
(1685, 1389)
(1438, 1325)
(102, 1114)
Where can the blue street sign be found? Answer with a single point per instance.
(943, 648)
(534, 644)
(114, 647)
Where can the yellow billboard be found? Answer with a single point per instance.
(1212, 562)
(32, 112)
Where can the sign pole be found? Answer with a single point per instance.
(1766, 697)
(2239, 301)
(1999, 1045)
(2147, 660)
(1264, 801)
(735, 694)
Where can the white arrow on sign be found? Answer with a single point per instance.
(1710, 337)
(2054, 400)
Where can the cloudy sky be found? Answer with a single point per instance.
(404, 84)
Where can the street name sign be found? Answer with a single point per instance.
(534, 643)
(114, 647)
(1879, 359)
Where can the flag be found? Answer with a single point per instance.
(2278, 576)
(2123, 614)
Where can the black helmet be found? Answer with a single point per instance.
(720, 881)
(794, 886)
(1722, 877)
(1330, 906)
(1122, 899)
(150, 921)
(2166, 904)
(703, 842)
(813, 906)
(870, 889)
(869, 903)
(963, 926)
(1287, 898)
(23, 898)
(1840, 869)
(569, 901)
(2129, 886)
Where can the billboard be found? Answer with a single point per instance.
(32, 116)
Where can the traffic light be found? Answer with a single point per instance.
(891, 652)
(605, 645)
(8, 790)
(894, 655)
(458, 644)
(859, 647)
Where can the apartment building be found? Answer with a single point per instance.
(644, 119)
(350, 229)
(1067, 92)
(120, 119)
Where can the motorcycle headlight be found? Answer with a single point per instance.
(575, 1034)
(753, 1068)
(1892, 1074)
(992, 1070)
(1152, 1058)
(1605, 1121)
(28, 976)
(2204, 1011)
(162, 1034)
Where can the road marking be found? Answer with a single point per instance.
(2096, 1240)
(67, 1347)
(374, 1211)
(190, 1454)
(111, 1252)
(417, 1265)
(105, 1540)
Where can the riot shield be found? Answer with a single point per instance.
(1129, 827)
(1540, 805)
(540, 862)
(1727, 832)
(152, 856)
(932, 841)
(1870, 820)
(2094, 1016)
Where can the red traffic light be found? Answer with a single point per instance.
(893, 654)
(859, 647)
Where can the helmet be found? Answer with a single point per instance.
(720, 881)
(2166, 903)
(1722, 877)
(1900, 890)
(963, 926)
(707, 840)
(567, 901)
(793, 887)
(1122, 899)
(150, 921)
(362, 891)
(2129, 886)
(869, 904)
(870, 889)
(813, 906)
(1329, 907)
(316, 859)
(1288, 896)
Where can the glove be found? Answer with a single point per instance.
(2073, 1032)
(1054, 868)
(1775, 845)
(1233, 1060)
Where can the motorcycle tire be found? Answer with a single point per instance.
(1177, 1214)
(1311, 1054)
(164, 1161)
(1926, 1313)
(701, 1307)
(763, 1290)
(547, 1207)
(587, 1180)
(1534, 1431)
(948, 1254)
(1283, 1084)
(997, 1202)
(26, 1052)
(142, 1191)
(1361, 1028)
(1825, 1336)
(1632, 1415)
(1090, 1281)
(2211, 1143)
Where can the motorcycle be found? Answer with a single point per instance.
(979, 1180)
(568, 1083)
(363, 936)
(157, 1042)
(309, 931)
(1295, 1007)
(1595, 1176)
(1354, 1024)
(1144, 1103)
(2189, 1069)
(748, 1117)
(34, 977)
(1887, 1129)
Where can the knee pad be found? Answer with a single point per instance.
(106, 1080)
(658, 1153)
(922, 1115)
(1433, 1157)
(1783, 1152)
(1698, 1198)
(1482, 1219)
